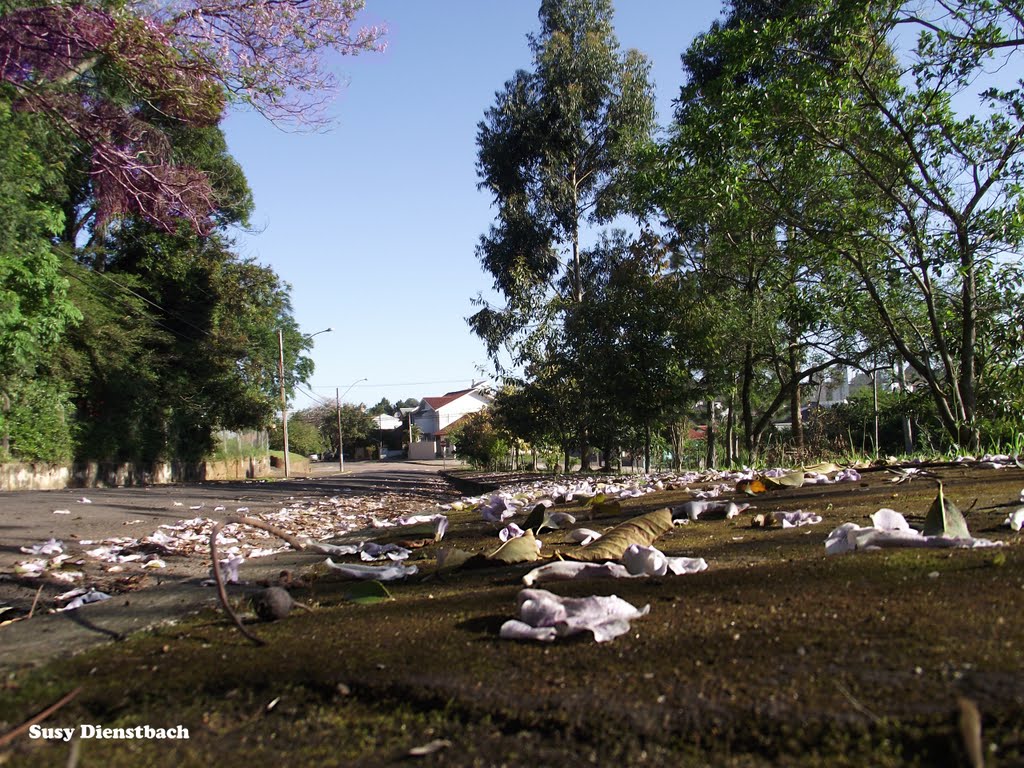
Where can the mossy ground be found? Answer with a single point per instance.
(776, 655)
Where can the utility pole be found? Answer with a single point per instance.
(284, 400)
(341, 453)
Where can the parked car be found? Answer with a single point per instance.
(314, 457)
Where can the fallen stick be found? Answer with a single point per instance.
(10, 736)
(294, 542)
(222, 593)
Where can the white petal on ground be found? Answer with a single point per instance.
(606, 617)
(440, 523)
(84, 500)
(380, 573)
(229, 568)
(889, 520)
(693, 510)
(62, 511)
(48, 547)
(563, 570)
(1015, 519)
(582, 536)
(513, 629)
(498, 509)
(797, 518)
(371, 551)
(510, 531)
(680, 566)
(645, 561)
(92, 596)
(340, 550)
(556, 520)
(850, 537)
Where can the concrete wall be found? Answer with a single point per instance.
(423, 450)
(95, 474)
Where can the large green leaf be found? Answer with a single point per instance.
(944, 519)
(642, 530)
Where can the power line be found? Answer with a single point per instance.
(151, 303)
(399, 384)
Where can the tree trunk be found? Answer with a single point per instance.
(647, 447)
(730, 429)
(746, 396)
(796, 418)
(711, 459)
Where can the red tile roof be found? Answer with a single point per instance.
(439, 402)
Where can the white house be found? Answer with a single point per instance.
(386, 421)
(436, 415)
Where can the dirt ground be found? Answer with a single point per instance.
(777, 654)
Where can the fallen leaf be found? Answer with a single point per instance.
(612, 507)
(824, 468)
(793, 479)
(522, 549)
(640, 530)
(944, 519)
(450, 557)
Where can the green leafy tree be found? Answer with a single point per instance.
(181, 335)
(478, 441)
(917, 196)
(358, 427)
(554, 152)
(304, 437)
(34, 304)
(382, 407)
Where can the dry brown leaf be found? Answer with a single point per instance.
(642, 530)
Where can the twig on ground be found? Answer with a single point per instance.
(35, 601)
(222, 593)
(10, 736)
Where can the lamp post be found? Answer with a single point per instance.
(337, 405)
(284, 399)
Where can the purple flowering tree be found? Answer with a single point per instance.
(109, 78)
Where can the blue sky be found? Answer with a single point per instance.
(374, 224)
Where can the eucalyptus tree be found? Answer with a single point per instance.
(909, 164)
(553, 152)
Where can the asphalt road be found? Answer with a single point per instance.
(31, 517)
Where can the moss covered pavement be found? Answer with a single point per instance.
(775, 655)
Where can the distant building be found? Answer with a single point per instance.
(435, 416)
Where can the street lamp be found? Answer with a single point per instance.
(337, 404)
(284, 400)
